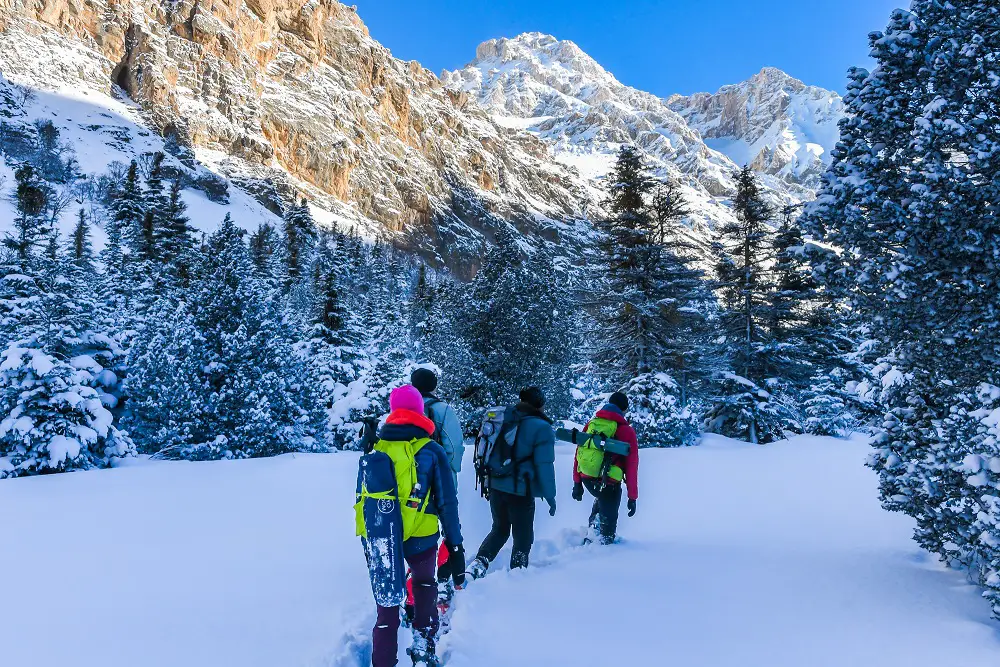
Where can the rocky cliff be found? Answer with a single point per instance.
(281, 89)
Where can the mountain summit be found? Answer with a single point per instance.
(781, 127)
(773, 122)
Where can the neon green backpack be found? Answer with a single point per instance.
(416, 521)
(590, 459)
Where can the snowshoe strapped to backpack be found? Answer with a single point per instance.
(390, 508)
(494, 449)
(593, 461)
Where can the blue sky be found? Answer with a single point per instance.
(663, 46)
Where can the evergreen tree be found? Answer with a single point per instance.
(910, 202)
(746, 406)
(81, 249)
(300, 236)
(31, 227)
(127, 211)
(174, 238)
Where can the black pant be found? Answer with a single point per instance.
(510, 514)
(604, 515)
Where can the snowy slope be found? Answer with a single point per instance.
(776, 124)
(776, 556)
(102, 130)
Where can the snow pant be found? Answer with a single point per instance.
(607, 503)
(385, 640)
(511, 514)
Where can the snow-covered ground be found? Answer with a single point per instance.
(775, 556)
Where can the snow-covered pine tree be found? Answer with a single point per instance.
(911, 202)
(300, 237)
(647, 297)
(746, 406)
(128, 211)
(32, 227)
(265, 245)
(53, 412)
(175, 240)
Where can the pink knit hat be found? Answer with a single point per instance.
(406, 397)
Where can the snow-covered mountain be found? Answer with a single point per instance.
(285, 97)
(296, 94)
(776, 124)
(559, 93)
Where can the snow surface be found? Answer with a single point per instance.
(774, 556)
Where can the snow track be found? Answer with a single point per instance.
(775, 556)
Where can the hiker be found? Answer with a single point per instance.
(430, 498)
(611, 422)
(512, 492)
(448, 433)
(447, 427)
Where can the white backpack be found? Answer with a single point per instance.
(497, 436)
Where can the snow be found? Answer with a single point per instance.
(776, 556)
(62, 448)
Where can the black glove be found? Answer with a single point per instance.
(631, 507)
(552, 506)
(578, 491)
(456, 561)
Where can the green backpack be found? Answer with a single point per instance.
(412, 499)
(590, 459)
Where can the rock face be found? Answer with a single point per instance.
(259, 86)
(776, 124)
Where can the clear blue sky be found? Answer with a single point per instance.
(663, 46)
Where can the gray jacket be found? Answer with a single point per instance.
(534, 447)
(452, 439)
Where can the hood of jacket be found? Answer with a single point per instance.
(404, 425)
(612, 413)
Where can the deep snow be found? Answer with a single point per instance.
(775, 556)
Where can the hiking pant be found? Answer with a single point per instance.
(604, 515)
(511, 514)
(385, 638)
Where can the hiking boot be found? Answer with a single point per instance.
(422, 652)
(477, 569)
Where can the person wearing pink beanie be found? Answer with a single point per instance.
(407, 423)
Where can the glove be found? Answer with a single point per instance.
(578, 491)
(631, 507)
(456, 561)
(552, 506)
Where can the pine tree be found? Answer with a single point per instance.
(81, 250)
(300, 236)
(174, 237)
(746, 407)
(31, 227)
(128, 212)
(910, 202)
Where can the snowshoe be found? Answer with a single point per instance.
(446, 591)
(422, 652)
(477, 569)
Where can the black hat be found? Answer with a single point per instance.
(619, 400)
(424, 380)
(533, 396)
